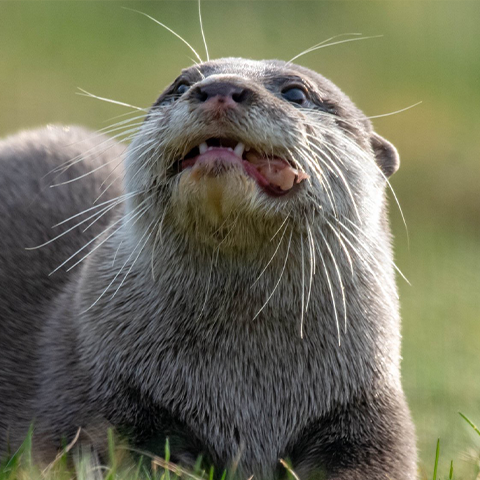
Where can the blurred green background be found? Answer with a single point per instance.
(429, 52)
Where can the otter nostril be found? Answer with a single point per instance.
(240, 96)
(223, 91)
(201, 95)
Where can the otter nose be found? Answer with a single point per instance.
(223, 92)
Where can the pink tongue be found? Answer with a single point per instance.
(279, 173)
(273, 171)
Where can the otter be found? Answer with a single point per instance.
(234, 293)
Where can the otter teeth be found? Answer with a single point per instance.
(238, 150)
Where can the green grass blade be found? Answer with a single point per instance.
(166, 473)
(112, 457)
(139, 467)
(469, 422)
(437, 455)
(450, 476)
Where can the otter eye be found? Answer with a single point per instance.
(181, 89)
(295, 95)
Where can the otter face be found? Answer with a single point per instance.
(240, 145)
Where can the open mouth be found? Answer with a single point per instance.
(275, 175)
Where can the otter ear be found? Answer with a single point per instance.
(386, 155)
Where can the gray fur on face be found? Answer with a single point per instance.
(243, 326)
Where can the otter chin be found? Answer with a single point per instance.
(233, 291)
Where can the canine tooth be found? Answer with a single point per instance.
(239, 149)
(203, 147)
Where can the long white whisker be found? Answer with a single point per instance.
(86, 174)
(157, 237)
(323, 42)
(84, 93)
(343, 247)
(70, 229)
(95, 238)
(167, 28)
(311, 246)
(118, 199)
(278, 282)
(384, 253)
(121, 268)
(332, 295)
(201, 28)
(339, 275)
(303, 289)
(331, 44)
(138, 255)
(365, 262)
(271, 258)
(396, 111)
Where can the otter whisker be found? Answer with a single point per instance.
(322, 179)
(332, 295)
(90, 153)
(94, 150)
(281, 275)
(213, 262)
(324, 158)
(271, 258)
(385, 254)
(86, 174)
(138, 255)
(84, 93)
(362, 154)
(116, 253)
(201, 28)
(230, 230)
(302, 309)
(132, 128)
(339, 275)
(68, 230)
(343, 247)
(158, 236)
(118, 199)
(313, 260)
(281, 226)
(323, 42)
(95, 238)
(396, 111)
(121, 268)
(122, 115)
(101, 214)
(167, 28)
(321, 45)
(366, 263)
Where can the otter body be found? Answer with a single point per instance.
(241, 301)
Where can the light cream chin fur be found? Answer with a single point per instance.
(217, 197)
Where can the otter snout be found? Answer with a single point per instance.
(223, 93)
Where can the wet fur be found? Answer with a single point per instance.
(216, 332)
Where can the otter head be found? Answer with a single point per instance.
(233, 148)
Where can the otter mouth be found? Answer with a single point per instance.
(275, 175)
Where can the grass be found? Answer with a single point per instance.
(128, 464)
